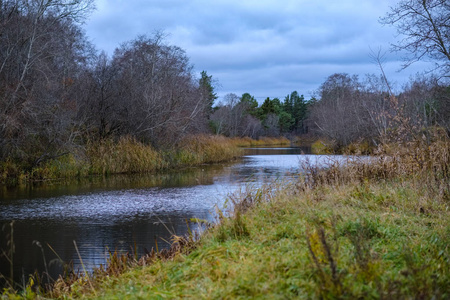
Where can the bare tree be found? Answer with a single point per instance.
(41, 53)
(99, 110)
(376, 105)
(233, 118)
(159, 99)
(426, 102)
(425, 29)
(219, 119)
(350, 110)
(271, 125)
(336, 114)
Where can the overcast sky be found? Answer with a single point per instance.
(267, 48)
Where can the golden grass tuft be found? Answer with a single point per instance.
(125, 156)
(128, 155)
(205, 149)
(321, 147)
(262, 141)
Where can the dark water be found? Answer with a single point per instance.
(121, 212)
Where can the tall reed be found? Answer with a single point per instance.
(202, 149)
(127, 155)
(262, 141)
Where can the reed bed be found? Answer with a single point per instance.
(262, 141)
(203, 149)
(124, 156)
(128, 155)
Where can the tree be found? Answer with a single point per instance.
(271, 125)
(376, 106)
(219, 120)
(350, 110)
(425, 25)
(339, 114)
(286, 121)
(159, 100)
(299, 110)
(42, 54)
(234, 118)
(251, 104)
(268, 107)
(426, 102)
(288, 104)
(207, 91)
(99, 111)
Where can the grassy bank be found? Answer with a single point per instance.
(372, 231)
(130, 156)
(321, 146)
(127, 155)
(262, 141)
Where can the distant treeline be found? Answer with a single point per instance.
(242, 116)
(346, 110)
(352, 110)
(59, 94)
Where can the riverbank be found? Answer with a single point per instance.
(128, 156)
(378, 230)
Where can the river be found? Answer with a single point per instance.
(124, 211)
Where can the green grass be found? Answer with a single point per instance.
(321, 147)
(363, 231)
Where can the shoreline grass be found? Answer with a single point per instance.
(378, 230)
(262, 141)
(127, 156)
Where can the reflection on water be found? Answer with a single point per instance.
(119, 212)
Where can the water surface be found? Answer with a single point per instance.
(120, 212)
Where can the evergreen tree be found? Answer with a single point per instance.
(207, 91)
(286, 121)
(268, 107)
(288, 104)
(250, 102)
(299, 109)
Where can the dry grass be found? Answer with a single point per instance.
(203, 149)
(418, 162)
(127, 155)
(262, 141)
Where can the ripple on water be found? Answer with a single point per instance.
(109, 204)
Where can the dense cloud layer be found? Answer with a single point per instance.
(267, 48)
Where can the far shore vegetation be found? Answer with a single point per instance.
(129, 156)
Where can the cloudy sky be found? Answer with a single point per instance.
(267, 48)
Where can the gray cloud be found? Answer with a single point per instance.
(266, 48)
